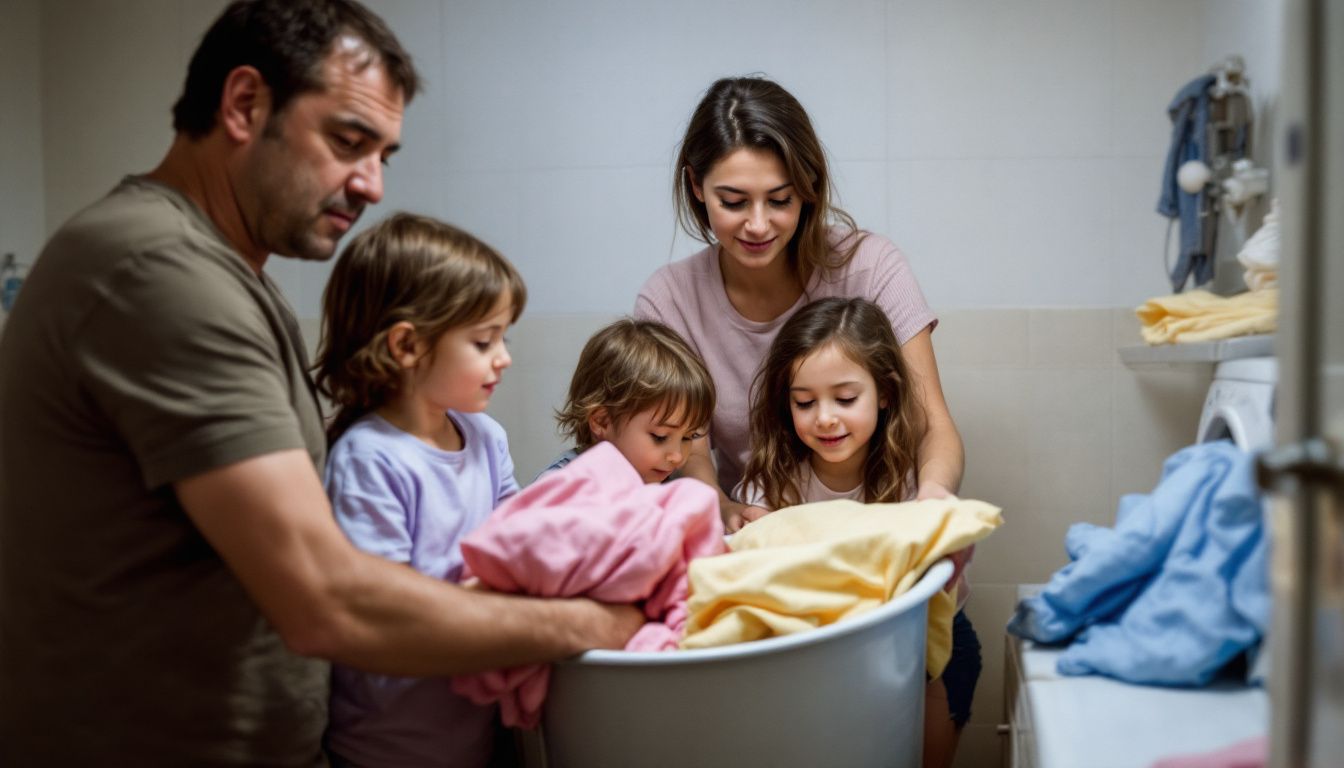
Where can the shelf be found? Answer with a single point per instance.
(1141, 355)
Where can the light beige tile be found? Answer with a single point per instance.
(1070, 472)
(981, 338)
(1156, 412)
(990, 408)
(1029, 546)
(1002, 553)
(981, 746)
(1071, 400)
(989, 609)
(1070, 483)
(1064, 457)
(1077, 338)
(1125, 328)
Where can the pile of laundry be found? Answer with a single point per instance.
(1202, 316)
(1175, 591)
(1260, 254)
(1199, 315)
(815, 564)
(595, 529)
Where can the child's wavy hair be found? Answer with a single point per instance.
(862, 332)
(628, 367)
(406, 268)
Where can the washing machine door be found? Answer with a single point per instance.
(1240, 410)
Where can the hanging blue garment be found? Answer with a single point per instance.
(1189, 112)
(1175, 591)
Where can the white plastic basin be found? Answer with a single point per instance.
(849, 694)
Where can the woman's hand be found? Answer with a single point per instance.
(932, 490)
(962, 557)
(737, 514)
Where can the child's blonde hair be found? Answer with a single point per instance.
(630, 366)
(861, 331)
(406, 268)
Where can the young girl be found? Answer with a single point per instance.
(834, 416)
(412, 348)
(638, 386)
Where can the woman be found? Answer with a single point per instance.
(753, 183)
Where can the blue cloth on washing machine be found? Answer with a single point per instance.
(1176, 590)
(1189, 112)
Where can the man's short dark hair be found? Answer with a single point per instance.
(287, 41)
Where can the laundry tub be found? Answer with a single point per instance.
(848, 694)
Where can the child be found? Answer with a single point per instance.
(638, 386)
(412, 348)
(833, 416)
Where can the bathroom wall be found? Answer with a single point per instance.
(21, 181)
(1013, 149)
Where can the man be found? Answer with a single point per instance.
(171, 578)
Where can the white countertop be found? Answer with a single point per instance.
(1098, 722)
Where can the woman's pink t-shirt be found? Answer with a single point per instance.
(688, 296)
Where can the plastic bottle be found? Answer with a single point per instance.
(11, 279)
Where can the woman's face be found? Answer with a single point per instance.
(753, 207)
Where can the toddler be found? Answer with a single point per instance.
(641, 388)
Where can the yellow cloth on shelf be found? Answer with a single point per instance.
(1202, 316)
(814, 564)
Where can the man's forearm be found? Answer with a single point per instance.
(392, 620)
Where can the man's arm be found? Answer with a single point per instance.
(270, 520)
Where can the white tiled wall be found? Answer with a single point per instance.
(1012, 148)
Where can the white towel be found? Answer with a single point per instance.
(1260, 254)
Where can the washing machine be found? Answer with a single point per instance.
(1240, 403)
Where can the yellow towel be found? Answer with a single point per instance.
(815, 564)
(1202, 316)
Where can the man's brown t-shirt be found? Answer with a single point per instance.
(142, 351)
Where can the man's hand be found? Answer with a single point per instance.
(612, 626)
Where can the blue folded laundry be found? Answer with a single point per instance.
(1175, 590)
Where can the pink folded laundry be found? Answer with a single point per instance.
(1251, 753)
(592, 529)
